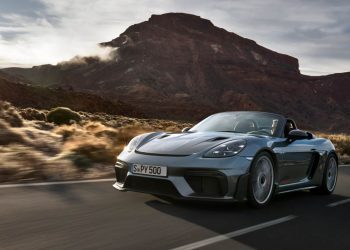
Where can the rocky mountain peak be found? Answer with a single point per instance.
(191, 38)
(174, 20)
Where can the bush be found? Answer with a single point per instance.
(10, 114)
(80, 161)
(9, 135)
(63, 115)
(33, 114)
(98, 152)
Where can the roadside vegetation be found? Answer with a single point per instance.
(61, 144)
(73, 145)
(342, 145)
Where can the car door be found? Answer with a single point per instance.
(295, 157)
(295, 161)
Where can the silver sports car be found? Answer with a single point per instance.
(229, 156)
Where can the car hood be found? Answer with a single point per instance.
(183, 144)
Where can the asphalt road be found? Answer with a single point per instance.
(95, 216)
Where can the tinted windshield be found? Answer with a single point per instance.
(241, 122)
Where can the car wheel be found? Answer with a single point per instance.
(261, 180)
(330, 176)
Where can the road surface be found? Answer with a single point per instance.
(96, 216)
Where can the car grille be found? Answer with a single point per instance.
(151, 185)
(121, 171)
(207, 183)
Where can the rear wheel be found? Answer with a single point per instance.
(261, 180)
(330, 175)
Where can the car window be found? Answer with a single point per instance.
(241, 122)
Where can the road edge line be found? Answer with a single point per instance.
(337, 203)
(54, 183)
(233, 234)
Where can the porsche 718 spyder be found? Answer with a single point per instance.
(230, 156)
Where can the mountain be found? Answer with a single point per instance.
(181, 66)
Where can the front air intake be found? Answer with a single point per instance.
(151, 185)
(121, 171)
(207, 183)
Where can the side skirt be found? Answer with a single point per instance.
(301, 185)
(297, 189)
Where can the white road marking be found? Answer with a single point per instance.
(337, 203)
(233, 234)
(341, 166)
(53, 183)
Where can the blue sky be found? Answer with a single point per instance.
(34, 32)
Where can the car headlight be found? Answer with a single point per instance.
(133, 143)
(226, 149)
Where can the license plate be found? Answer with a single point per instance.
(149, 170)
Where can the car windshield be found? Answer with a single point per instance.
(240, 122)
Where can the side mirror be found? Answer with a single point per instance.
(185, 129)
(297, 134)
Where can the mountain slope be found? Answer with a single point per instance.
(20, 94)
(181, 66)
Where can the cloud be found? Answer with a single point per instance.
(100, 53)
(49, 31)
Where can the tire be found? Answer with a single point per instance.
(330, 176)
(261, 180)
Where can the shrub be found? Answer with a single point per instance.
(95, 151)
(10, 114)
(33, 114)
(80, 161)
(62, 115)
(8, 135)
(24, 163)
(67, 131)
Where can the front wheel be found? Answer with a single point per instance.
(261, 180)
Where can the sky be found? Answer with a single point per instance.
(34, 32)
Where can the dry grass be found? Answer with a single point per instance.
(342, 145)
(32, 149)
(10, 114)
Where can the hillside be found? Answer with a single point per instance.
(181, 66)
(22, 94)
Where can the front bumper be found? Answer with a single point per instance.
(190, 177)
